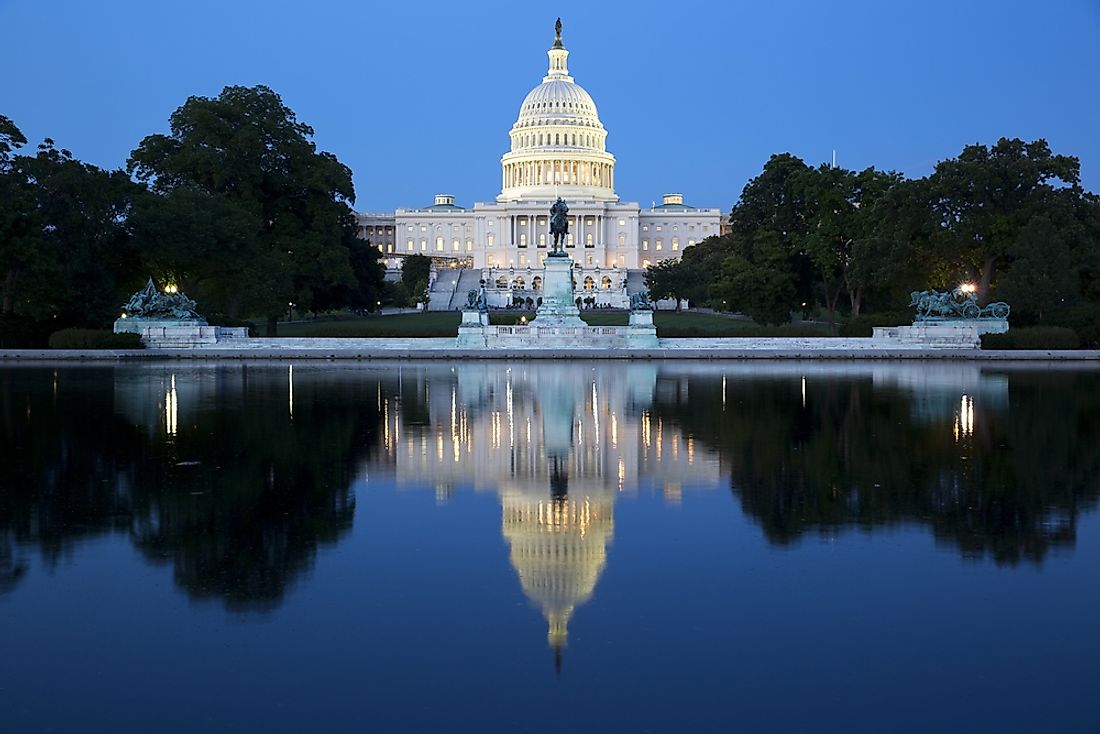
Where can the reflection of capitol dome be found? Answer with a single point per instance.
(558, 141)
(559, 550)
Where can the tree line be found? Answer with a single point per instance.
(1011, 218)
(234, 206)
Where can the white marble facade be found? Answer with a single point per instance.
(557, 148)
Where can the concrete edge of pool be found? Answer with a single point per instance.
(383, 349)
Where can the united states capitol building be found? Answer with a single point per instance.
(558, 148)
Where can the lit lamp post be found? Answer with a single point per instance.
(968, 288)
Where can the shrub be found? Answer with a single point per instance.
(1084, 318)
(1033, 337)
(93, 339)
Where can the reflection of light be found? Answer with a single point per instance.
(595, 414)
(803, 391)
(386, 426)
(964, 419)
(614, 432)
(723, 392)
(171, 409)
(622, 473)
(691, 449)
(645, 428)
(290, 379)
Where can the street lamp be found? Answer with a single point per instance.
(968, 288)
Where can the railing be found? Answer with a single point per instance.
(540, 331)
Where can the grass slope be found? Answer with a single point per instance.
(445, 323)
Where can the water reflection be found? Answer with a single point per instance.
(234, 475)
(558, 445)
(999, 462)
(201, 467)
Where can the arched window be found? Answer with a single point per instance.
(502, 282)
(536, 283)
(605, 282)
(589, 284)
(518, 282)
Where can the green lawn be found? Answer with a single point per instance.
(445, 323)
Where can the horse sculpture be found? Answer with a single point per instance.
(559, 226)
(954, 304)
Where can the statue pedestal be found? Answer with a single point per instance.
(471, 331)
(558, 307)
(128, 325)
(640, 331)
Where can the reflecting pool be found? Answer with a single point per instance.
(550, 547)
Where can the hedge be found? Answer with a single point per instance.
(1033, 337)
(93, 339)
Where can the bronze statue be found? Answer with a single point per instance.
(559, 226)
(149, 303)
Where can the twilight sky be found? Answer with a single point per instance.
(417, 97)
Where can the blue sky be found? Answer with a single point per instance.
(417, 97)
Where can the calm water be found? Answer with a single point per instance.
(549, 547)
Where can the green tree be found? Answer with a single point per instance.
(758, 279)
(981, 201)
(65, 247)
(1042, 276)
(248, 148)
(415, 273)
(668, 279)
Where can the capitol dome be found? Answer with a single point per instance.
(558, 142)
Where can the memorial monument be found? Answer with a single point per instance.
(169, 319)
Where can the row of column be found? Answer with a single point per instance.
(576, 225)
(560, 172)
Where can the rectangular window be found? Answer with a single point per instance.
(423, 228)
(489, 240)
(439, 244)
(645, 227)
(409, 244)
(423, 245)
(645, 263)
(469, 245)
(588, 259)
(675, 244)
(523, 239)
(588, 240)
(622, 222)
(409, 227)
(691, 242)
(622, 261)
(569, 240)
(389, 247)
(456, 246)
(622, 239)
(542, 239)
(645, 244)
(658, 228)
(660, 245)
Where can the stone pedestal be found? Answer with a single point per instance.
(558, 307)
(471, 330)
(126, 325)
(943, 335)
(640, 330)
